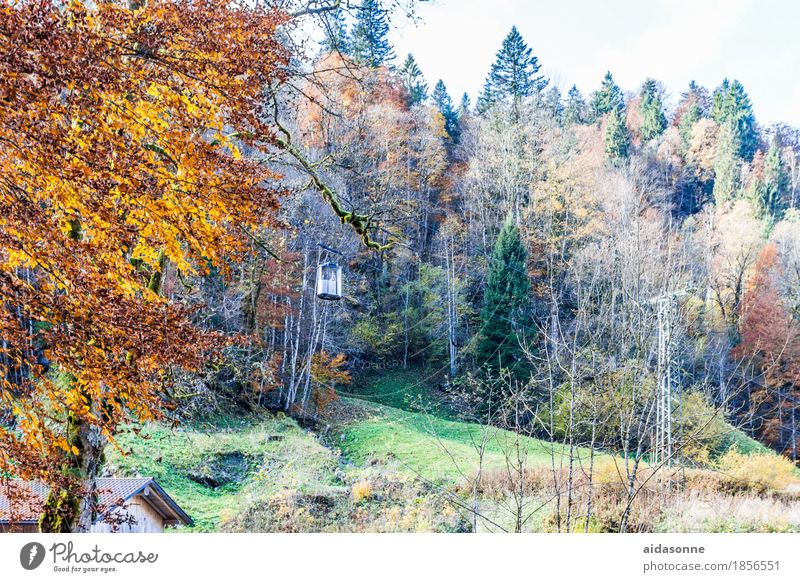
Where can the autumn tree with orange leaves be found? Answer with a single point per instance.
(770, 339)
(120, 157)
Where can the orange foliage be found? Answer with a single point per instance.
(121, 138)
(326, 372)
(771, 340)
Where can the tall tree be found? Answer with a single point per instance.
(371, 46)
(413, 81)
(692, 107)
(617, 137)
(770, 341)
(727, 164)
(513, 75)
(337, 37)
(575, 108)
(553, 104)
(731, 104)
(606, 99)
(119, 166)
(441, 99)
(506, 318)
(651, 107)
(464, 107)
(769, 183)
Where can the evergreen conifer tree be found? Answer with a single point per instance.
(465, 107)
(606, 99)
(506, 318)
(727, 165)
(441, 99)
(575, 108)
(413, 81)
(768, 190)
(513, 74)
(617, 137)
(552, 102)
(337, 38)
(730, 104)
(370, 44)
(692, 107)
(654, 122)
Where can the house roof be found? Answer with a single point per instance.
(111, 492)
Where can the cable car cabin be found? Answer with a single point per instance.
(329, 281)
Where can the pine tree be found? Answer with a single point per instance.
(370, 45)
(575, 109)
(442, 102)
(337, 39)
(553, 105)
(465, 107)
(654, 122)
(486, 98)
(692, 107)
(606, 99)
(767, 189)
(413, 81)
(617, 137)
(506, 318)
(513, 74)
(730, 103)
(727, 165)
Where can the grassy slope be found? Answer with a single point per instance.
(270, 443)
(283, 457)
(435, 448)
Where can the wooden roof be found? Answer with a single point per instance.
(24, 504)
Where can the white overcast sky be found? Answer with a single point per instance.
(577, 41)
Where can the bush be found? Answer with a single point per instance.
(760, 472)
(362, 490)
(704, 428)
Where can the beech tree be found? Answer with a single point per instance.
(120, 159)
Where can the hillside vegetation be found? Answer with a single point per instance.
(361, 303)
(373, 467)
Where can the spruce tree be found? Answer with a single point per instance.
(727, 165)
(617, 138)
(441, 99)
(337, 39)
(513, 74)
(768, 190)
(506, 318)
(730, 104)
(465, 107)
(486, 98)
(575, 109)
(370, 44)
(553, 105)
(654, 122)
(413, 81)
(606, 99)
(693, 106)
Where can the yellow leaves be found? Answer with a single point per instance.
(153, 91)
(114, 169)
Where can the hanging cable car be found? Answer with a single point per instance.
(329, 278)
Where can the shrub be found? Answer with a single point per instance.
(759, 472)
(704, 426)
(362, 490)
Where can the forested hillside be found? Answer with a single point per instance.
(559, 312)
